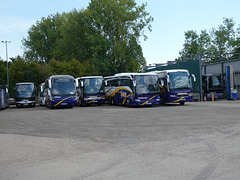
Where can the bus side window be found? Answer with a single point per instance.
(114, 83)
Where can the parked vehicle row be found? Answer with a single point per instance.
(130, 89)
(3, 94)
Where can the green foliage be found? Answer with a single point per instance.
(105, 37)
(42, 37)
(74, 68)
(23, 71)
(3, 70)
(100, 40)
(121, 23)
(225, 39)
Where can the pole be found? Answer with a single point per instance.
(200, 77)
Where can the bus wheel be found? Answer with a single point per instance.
(111, 102)
(127, 102)
(80, 103)
(182, 103)
(162, 101)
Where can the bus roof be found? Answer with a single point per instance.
(129, 75)
(120, 74)
(89, 77)
(60, 76)
(171, 70)
(25, 83)
(208, 75)
(133, 74)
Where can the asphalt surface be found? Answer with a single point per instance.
(197, 141)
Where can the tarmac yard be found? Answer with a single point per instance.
(197, 141)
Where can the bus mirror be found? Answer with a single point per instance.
(76, 83)
(162, 82)
(49, 83)
(81, 83)
(134, 83)
(41, 89)
(105, 82)
(168, 79)
(194, 78)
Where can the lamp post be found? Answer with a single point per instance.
(6, 42)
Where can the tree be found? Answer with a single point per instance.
(3, 70)
(223, 40)
(120, 23)
(104, 36)
(195, 44)
(41, 41)
(191, 44)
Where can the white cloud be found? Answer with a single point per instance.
(15, 24)
(13, 29)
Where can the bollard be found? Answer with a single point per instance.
(212, 96)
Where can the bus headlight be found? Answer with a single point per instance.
(137, 100)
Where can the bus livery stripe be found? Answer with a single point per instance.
(118, 89)
(181, 98)
(126, 98)
(62, 100)
(148, 100)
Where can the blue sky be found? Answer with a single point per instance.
(171, 19)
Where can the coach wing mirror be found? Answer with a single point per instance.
(193, 76)
(105, 82)
(162, 82)
(81, 83)
(134, 83)
(76, 83)
(168, 81)
(49, 84)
